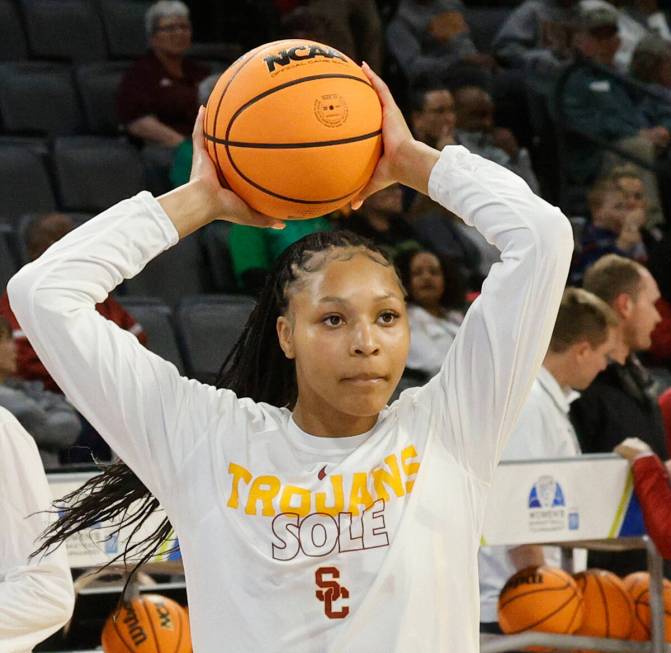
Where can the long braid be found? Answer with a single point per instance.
(256, 367)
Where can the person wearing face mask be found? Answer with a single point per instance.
(475, 130)
(436, 300)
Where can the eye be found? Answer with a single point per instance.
(332, 320)
(388, 317)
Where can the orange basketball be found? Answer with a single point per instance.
(609, 610)
(637, 585)
(148, 624)
(294, 127)
(540, 598)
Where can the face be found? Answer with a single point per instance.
(642, 316)
(387, 201)
(437, 119)
(633, 192)
(172, 36)
(599, 45)
(347, 331)
(475, 110)
(427, 283)
(612, 213)
(51, 229)
(7, 356)
(590, 361)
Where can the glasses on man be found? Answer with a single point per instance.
(173, 28)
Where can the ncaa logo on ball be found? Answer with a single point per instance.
(331, 110)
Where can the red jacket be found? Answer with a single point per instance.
(29, 365)
(653, 488)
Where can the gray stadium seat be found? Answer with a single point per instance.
(219, 51)
(22, 226)
(156, 320)
(39, 97)
(13, 46)
(7, 262)
(208, 327)
(25, 184)
(64, 29)
(214, 238)
(93, 172)
(123, 22)
(175, 274)
(485, 22)
(98, 84)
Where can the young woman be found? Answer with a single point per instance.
(311, 516)
(436, 298)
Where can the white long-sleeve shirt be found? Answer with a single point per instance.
(36, 596)
(302, 543)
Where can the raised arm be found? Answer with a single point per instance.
(36, 596)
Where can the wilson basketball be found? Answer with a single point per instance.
(540, 598)
(608, 609)
(637, 585)
(294, 128)
(148, 624)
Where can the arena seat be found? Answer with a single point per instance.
(93, 172)
(123, 22)
(98, 84)
(13, 43)
(176, 273)
(8, 264)
(214, 239)
(221, 51)
(39, 97)
(485, 22)
(64, 29)
(25, 184)
(157, 321)
(208, 327)
(22, 226)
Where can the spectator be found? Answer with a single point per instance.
(536, 36)
(651, 65)
(381, 220)
(43, 232)
(475, 130)
(436, 299)
(433, 121)
(598, 105)
(583, 340)
(427, 37)
(157, 99)
(36, 594)
(47, 416)
(614, 228)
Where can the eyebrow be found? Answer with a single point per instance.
(340, 300)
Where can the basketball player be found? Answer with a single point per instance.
(36, 595)
(311, 516)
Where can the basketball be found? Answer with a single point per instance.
(546, 599)
(151, 623)
(294, 128)
(608, 609)
(637, 585)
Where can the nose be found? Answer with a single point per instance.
(363, 340)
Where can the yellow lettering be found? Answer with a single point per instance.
(263, 489)
(239, 473)
(393, 479)
(290, 491)
(409, 467)
(359, 496)
(338, 497)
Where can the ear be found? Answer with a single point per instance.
(581, 349)
(623, 305)
(285, 336)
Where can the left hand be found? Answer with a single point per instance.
(631, 448)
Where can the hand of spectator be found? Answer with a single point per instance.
(481, 60)
(630, 234)
(445, 26)
(446, 137)
(658, 136)
(504, 139)
(631, 448)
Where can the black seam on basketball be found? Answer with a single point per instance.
(575, 613)
(552, 572)
(121, 637)
(151, 624)
(627, 598)
(540, 589)
(292, 146)
(605, 603)
(546, 617)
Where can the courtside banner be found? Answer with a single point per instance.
(563, 500)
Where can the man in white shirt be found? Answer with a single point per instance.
(583, 340)
(36, 595)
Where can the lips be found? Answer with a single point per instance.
(366, 378)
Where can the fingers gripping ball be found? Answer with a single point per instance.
(638, 587)
(294, 128)
(545, 599)
(147, 624)
(608, 608)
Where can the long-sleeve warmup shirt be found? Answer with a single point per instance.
(299, 543)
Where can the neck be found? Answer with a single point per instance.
(560, 368)
(172, 63)
(433, 309)
(327, 422)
